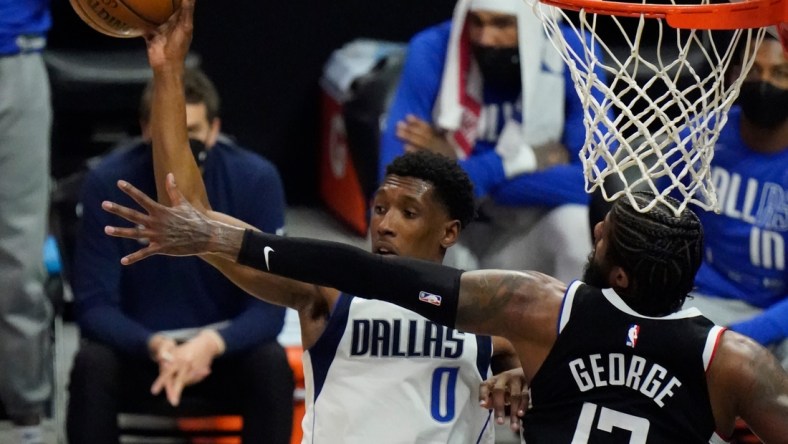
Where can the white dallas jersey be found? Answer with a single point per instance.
(383, 374)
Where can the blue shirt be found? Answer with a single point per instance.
(22, 17)
(122, 306)
(744, 255)
(417, 92)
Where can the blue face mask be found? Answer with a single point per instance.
(763, 104)
(199, 150)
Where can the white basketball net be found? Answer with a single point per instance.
(653, 129)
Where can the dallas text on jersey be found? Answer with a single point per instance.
(392, 338)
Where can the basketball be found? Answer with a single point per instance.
(124, 18)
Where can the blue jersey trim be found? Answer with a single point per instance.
(325, 349)
(486, 425)
(483, 355)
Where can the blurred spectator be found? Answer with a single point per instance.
(461, 94)
(25, 125)
(180, 323)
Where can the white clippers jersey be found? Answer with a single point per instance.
(383, 374)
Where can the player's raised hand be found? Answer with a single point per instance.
(169, 43)
(508, 388)
(180, 230)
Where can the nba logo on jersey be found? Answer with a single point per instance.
(632, 335)
(430, 298)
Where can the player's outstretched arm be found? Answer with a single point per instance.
(182, 230)
(520, 306)
(516, 305)
(745, 380)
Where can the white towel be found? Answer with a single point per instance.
(458, 107)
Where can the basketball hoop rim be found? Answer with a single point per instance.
(740, 15)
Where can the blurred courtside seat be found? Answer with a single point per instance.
(358, 84)
(294, 356)
(95, 100)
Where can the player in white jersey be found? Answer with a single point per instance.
(419, 212)
(424, 373)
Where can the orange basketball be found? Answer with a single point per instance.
(124, 18)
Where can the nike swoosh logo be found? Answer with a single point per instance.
(267, 250)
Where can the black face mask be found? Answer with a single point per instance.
(499, 66)
(199, 150)
(764, 105)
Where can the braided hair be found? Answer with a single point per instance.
(453, 188)
(659, 251)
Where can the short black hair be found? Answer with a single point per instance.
(453, 187)
(198, 88)
(659, 251)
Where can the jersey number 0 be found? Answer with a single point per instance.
(444, 383)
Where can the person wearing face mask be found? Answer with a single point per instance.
(174, 327)
(489, 89)
(743, 281)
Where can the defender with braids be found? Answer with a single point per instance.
(608, 360)
(658, 251)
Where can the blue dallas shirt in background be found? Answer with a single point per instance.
(29, 19)
(744, 256)
(121, 306)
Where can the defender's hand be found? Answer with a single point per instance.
(180, 230)
(508, 388)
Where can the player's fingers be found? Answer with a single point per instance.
(129, 214)
(522, 406)
(141, 198)
(485, 390)
(128, 233)
(175, 195)
(187, 10)
(515, 404)
(139, 255)
(499, 400)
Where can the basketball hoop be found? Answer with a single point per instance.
(662, 106)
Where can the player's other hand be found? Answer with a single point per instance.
(506, 389)
(169, 43)
(180, 230)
